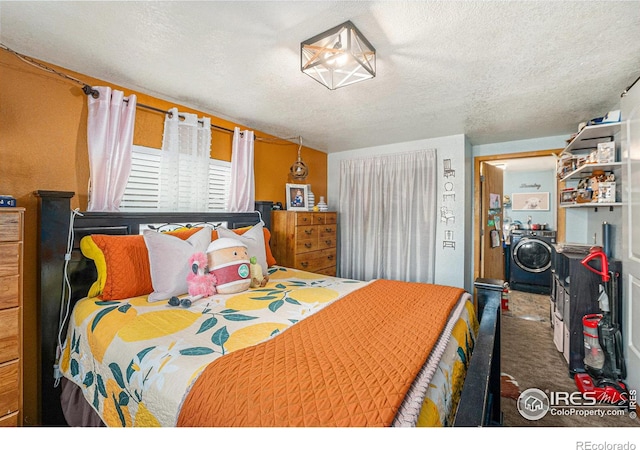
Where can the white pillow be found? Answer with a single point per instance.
(169, 261)
(253, 239)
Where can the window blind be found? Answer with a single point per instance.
(141, 193)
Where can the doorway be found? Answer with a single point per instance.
(484, 253)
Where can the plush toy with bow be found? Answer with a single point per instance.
(200, 282)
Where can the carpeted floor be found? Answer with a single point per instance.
(531, 360)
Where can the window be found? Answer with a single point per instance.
(141, 193)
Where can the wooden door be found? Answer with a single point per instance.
(491, 251)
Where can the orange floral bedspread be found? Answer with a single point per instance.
(359, 358)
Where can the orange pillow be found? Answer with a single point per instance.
(271, 261)
(122, 262)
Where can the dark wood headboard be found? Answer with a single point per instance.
(54, 218)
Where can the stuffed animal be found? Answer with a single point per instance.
(258, 279)
(229, 262)
(200, 282)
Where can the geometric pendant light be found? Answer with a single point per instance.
(338, 57)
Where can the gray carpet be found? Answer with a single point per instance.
(531, 360)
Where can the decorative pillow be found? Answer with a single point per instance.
(122, 263)
(271, 261)
(169, 261)
(253, 238)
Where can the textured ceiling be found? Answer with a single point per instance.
(493, 70)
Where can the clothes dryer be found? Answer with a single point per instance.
(530, 265)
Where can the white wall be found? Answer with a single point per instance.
(452, 264)
(584, 226)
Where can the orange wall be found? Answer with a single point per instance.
(43, 147)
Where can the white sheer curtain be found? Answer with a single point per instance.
(388, 218)
(110, 125)
(184, 170)
(242, 194)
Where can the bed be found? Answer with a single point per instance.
(303, 350)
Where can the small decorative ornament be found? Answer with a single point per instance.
(311, 199)
(299, 170)
(322, 205)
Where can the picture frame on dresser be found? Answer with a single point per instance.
(297, 195)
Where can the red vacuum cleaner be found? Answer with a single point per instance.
(604, 360)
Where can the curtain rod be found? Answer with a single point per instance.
(88, 90)
(627, 89)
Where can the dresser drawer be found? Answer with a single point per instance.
(9, 291)
(10, 227)
(9, 259)
(307, 245)
(9, 334)
(9, 388)
(306, 239)
(319, 218)
(314, 261)
(303, 218)
(10, 420)
(329, 271)
(326, 236)
(323, 218)
(331, 218)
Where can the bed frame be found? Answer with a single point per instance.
(480, 399)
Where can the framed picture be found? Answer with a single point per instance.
(530, 201)
(568, 196)
(297, 197)
(494, 201)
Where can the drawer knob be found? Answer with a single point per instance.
(307, 244)
(330, 257)
(328, 242)
(304, 264)
(328, 229)
(309, 230)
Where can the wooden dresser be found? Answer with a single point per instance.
(305, 240)
(11, 242)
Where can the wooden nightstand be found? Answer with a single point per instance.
(11, 242)
(305, 240)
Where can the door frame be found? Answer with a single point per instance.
(477, 199)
